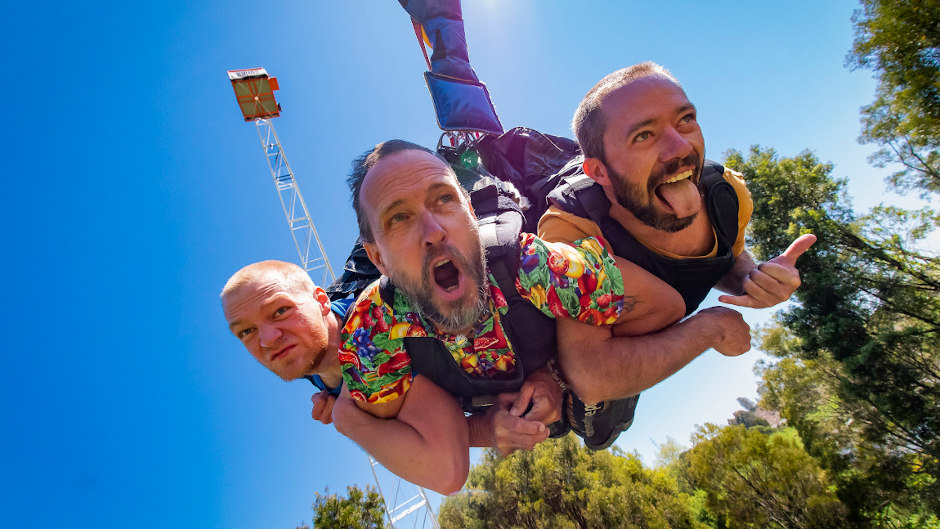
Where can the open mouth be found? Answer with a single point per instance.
(680, 194)
(446, 275)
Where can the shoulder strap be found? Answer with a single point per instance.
(722, 204)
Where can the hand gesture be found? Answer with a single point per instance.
(733, 334)
(323, 407)
(539, 398)
(510, 432)
(772, 282)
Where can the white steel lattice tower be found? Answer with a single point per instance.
(404, 501)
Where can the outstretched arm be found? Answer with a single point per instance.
(421, 436)
(649, 303)
(601, 366)
(767, 284)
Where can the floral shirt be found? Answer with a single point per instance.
(564, 281)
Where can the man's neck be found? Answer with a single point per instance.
(329, 369)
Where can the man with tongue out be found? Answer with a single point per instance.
(419, 229)
(647, 189)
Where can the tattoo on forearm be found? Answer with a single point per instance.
(629, 302)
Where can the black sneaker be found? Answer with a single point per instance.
(599, 424)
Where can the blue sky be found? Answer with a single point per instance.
(134, 189)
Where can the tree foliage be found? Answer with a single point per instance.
(900, 41)
(755, 479)
(861, 348)
(560, 484)
(359, 509)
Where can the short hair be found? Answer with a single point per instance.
(366, 161)
(590, 124)
(292, 277)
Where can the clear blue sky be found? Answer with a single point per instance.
(134, 189)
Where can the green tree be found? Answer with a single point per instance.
(560, 484)
(752, 479)
(359, 509)
(900, 41)
(861, 346)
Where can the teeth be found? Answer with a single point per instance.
(441, 263)
(681, 176)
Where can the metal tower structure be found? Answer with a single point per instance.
(255, 93)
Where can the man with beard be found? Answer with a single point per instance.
(420, 231)
(649, 192)
(289, 326)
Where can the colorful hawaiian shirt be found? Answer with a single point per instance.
(580, 281)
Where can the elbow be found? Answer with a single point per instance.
(588, 394)
(582, 373)
(344, 414)
(669, 310)
(583, 384)
(450, 480)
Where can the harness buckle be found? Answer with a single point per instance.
(482, 401)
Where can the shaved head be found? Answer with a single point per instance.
(283, 319)
(291, 277)
(590, 122)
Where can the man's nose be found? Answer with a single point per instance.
(433, 231)
(675, 145)
(269, 335)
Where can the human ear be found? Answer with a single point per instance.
(595, 168)
(323, 299)
(375, 255)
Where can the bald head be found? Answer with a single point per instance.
(291, 277)
(283, 319)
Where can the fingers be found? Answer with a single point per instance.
(514, 433)
(544, 411)
(741, 301)
(766, 286)
(521, 404)
(323, 407)
(800, 245)
(736, 339)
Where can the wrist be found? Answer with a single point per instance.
(480, 426)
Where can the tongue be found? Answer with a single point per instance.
(682, 197)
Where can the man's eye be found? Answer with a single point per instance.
(396, 218)
(243, 333)
(688, 118)
(280, 311)
(446, 198)
(643, 136)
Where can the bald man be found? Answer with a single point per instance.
(289, 326)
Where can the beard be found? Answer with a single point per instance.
(633, 198)
(453, 316)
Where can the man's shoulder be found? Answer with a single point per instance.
(736, 180)
(340, 307)
(558, 225)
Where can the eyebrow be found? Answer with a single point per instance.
(432, 188)
(645, 123)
